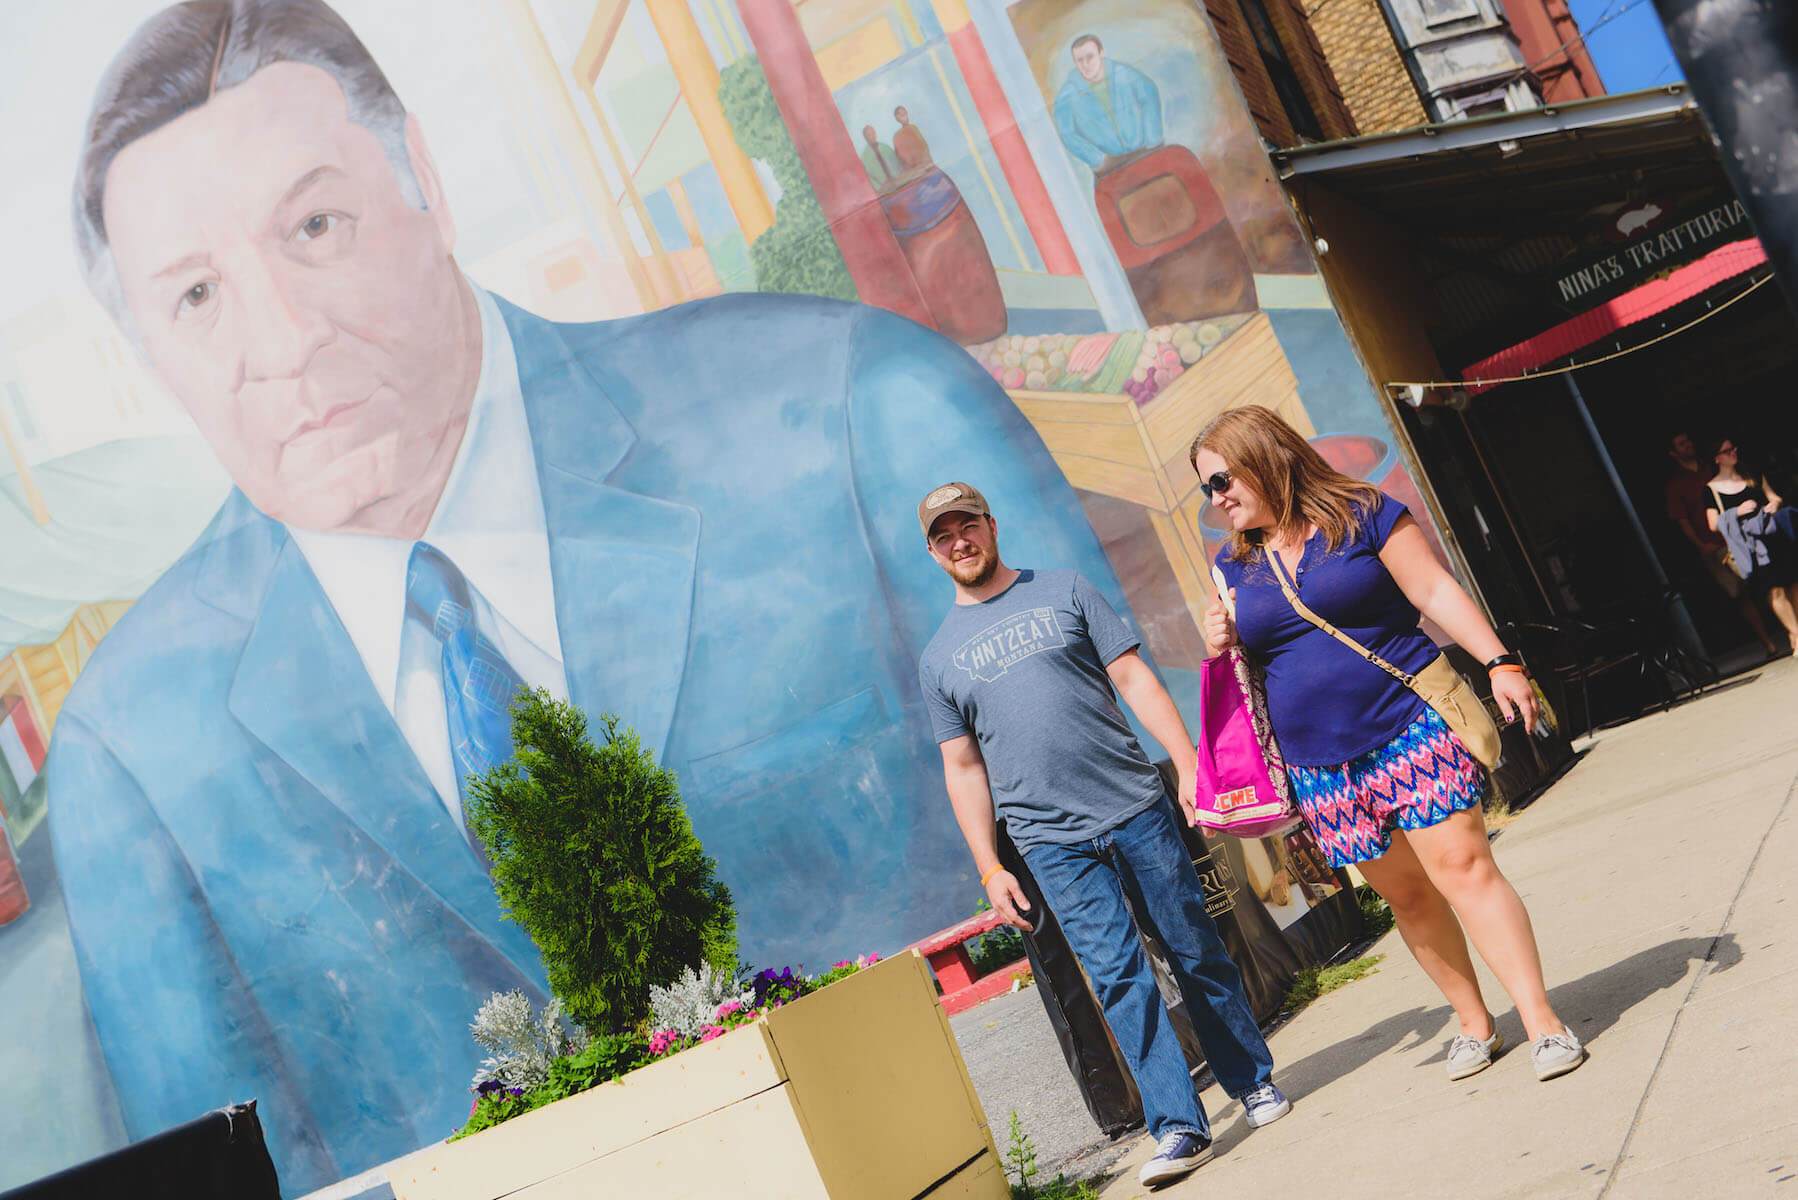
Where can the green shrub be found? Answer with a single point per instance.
(1313, 982)
(1020, 1167)
(1376, 914)
(798, 252)
(593, 855)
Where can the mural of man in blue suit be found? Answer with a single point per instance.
(1106, 110)
(697, 519)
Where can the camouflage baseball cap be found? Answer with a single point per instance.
(951, 497)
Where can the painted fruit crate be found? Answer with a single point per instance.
(856, 1092)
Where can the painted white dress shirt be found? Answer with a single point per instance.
(489, 522)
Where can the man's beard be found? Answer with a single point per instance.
(983, 573)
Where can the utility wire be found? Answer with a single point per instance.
(1604, 19)
(1580, 366)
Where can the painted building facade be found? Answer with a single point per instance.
(654, 318)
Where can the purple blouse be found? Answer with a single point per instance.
(1327, 703)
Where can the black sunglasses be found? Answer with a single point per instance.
(1220, 482)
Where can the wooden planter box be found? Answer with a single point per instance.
(857, 1092)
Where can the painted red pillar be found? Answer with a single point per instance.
(1006, 138)
(876, 264)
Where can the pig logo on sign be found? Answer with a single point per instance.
(1643, 216)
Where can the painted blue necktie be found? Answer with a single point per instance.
(479, 685)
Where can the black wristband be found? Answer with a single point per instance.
(1505, 660)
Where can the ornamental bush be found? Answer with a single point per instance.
(593, 855)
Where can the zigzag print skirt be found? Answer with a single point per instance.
(1419, 778)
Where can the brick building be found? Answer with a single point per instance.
(1322, 70)
(1359, 43)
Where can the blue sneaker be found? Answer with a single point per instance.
(1177, 1154)
(1265, 1105)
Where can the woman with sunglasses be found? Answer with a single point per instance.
(1381, 780)
(1760, 552)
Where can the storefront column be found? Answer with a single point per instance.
(857, 222)
(1676, 605)
(697, 76)
(1006, 138)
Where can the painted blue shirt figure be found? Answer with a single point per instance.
(1106, 109)
(679, 518)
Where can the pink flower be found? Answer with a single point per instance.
(841, 965)
(729, 1008)
(662, 1041)
(711, 1031)
(867, 960)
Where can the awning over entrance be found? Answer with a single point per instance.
(1637, 304)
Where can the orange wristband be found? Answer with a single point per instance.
(1507, 667)
(996, 868)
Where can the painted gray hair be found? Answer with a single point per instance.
(178, 60)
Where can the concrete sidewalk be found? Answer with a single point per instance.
(1659, 876)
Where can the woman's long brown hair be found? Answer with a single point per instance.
(1289, 475)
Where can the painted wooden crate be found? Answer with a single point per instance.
(856, 1092)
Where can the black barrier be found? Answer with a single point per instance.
(1269, 950)
(220, 1156)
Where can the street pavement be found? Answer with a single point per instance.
(1658, 873)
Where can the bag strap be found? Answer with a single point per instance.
(1292, 598)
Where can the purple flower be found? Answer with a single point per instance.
(776, 985)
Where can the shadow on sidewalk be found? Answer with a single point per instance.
(1589, 1005)
(1592, 1004)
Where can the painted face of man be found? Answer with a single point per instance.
(966, 546)
(311, 321)
(869, 134)
(1090, 60)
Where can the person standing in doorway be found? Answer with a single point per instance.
(1022, 682)
(1377, 773)
(1686, 505)
(1765, 559)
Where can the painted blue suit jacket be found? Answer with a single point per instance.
(268, 898)
(1090, 133)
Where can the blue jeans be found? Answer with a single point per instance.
(1085, 884)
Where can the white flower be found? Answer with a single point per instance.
(521, 1045)
(691, 1002)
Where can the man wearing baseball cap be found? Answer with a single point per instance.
(1022, 682)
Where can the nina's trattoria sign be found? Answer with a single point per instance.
(1667, 245)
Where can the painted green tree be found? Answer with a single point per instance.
(594, 856)
(797, 253)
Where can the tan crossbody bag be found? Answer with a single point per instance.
(1441, 686)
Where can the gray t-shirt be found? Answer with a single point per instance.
(1024, 673)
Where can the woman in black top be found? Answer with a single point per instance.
(1744, 495)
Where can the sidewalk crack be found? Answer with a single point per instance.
(1703, 973)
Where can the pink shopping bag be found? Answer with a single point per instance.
(1242, 785)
